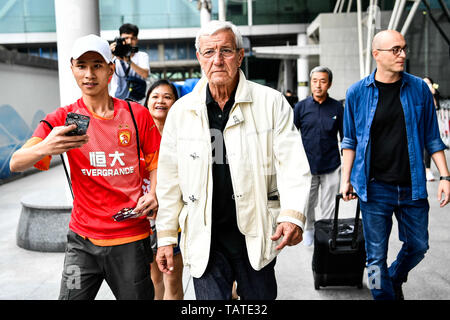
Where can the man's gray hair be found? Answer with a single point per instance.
(322, 69)
(214, 26)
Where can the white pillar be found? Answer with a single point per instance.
(410, 17)
(362, 73)
(302, 70)
(222, 10)
(399, 14)
(250, 12)
(205, 13)
(370, 32)
(74, 19)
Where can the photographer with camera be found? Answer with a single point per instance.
(132, 65)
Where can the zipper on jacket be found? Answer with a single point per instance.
(209, 167)
(231, 175)
(206, 197)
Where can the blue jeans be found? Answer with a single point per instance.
(412, 217)
(217, 281)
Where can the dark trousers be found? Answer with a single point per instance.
(217, 281)
(126, 269)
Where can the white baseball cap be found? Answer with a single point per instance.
(93, 43)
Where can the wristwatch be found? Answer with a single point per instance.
(445, 178)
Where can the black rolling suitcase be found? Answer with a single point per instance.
(339, 256)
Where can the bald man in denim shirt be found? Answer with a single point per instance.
(389, 119)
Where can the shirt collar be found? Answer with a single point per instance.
(370, 80)
(243, 93)
(210, 99)
(314, 100)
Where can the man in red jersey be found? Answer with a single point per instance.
(106, 177)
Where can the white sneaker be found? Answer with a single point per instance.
(429, 174)
(308, 238)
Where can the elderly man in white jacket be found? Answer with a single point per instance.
(232, 174)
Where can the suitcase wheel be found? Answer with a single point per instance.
(316, 283)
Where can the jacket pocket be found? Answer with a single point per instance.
(192, 166)
(328, 124)
(273, 208)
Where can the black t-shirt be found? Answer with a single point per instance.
(225, 235)
(389, 160)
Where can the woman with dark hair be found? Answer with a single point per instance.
(436, 98)
(158, 83)
(160, 97)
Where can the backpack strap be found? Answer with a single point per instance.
(126, 70)
(137, 133)
(62, 159)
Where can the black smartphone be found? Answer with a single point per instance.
(124, 214)
(80, 120)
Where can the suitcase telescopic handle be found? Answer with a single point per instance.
(334, 231)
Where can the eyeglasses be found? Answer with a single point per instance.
(397, 50)
(225, 52)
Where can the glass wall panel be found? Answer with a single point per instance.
(151, 50)
(22, 16)
(153, 53)
(182, 51)
(149, 14)
(170, 52)
(277, 11)
(191, 51)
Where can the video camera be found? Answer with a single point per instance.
(122, 49)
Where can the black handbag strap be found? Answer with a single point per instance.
(137, 134)
(334, 231)
(126, 70)
(62, 159)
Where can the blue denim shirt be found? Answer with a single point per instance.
(422, 129)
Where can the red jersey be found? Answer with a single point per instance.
(105, 171)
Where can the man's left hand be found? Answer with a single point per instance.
(444, 188)
(292, 234)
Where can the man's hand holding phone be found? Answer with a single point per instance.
(70, 136)
(58, 141)
(81, 122)
(147, 205)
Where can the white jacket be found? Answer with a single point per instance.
(265, 155)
